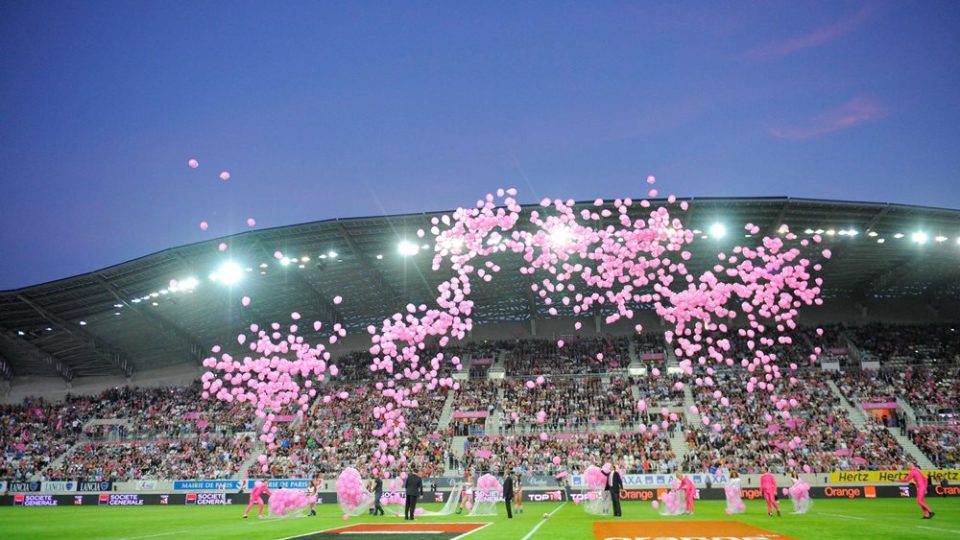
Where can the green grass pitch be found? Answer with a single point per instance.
(829, 520)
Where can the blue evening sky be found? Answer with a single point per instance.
(334, 109)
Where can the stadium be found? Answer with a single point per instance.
(628, 271)
(104, 407)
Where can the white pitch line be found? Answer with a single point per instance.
(468, 533)
(841, 516)
(954, 531)
(153, 535)
(542, 521)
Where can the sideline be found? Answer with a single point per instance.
(841, 516)
(154, 535)
(542, 521)
(954, 531)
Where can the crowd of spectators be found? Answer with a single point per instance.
(828, 439)
(928, 344)
(577, 356)
(213, 457)
(940, 444)
(569, 403)
(528, 454)
(337, 435)
(35, 432)
(144, 433)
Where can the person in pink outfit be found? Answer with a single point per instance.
(768, 486)
(689, 491)
(259, 489)
(916, 476)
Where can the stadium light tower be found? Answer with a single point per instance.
(718, 230)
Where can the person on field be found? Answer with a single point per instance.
(256, 497)
(768, 487)
(689, 492)
(920, 481)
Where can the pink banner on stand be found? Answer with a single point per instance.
(651, 356)
(843, 452)
(193, 415)
(481, 361)
(284, 418)
(837, 350)
(470, 414)
(483, 454)
(879, 405)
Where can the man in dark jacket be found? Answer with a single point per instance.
(377, 494)
(414, 489)
(614, 485)
(508, 492)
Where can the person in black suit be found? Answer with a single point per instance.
(508, 493)
(614, 485)
(377, 494)
(414, 489)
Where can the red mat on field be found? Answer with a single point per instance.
(394, 531)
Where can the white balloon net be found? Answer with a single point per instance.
(451, 504)
(485, 502)
(362, 508)
(596, 502)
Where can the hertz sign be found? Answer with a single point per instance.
(890, 477)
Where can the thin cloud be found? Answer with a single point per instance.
(820, 36)
(851, 114)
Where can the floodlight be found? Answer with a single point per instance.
(229, 273)
(718, 230)
(408, 249)
(919, 237)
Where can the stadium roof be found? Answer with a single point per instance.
(126, 318)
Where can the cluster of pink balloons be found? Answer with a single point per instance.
(583, 260)
(287, 502)
(276, 375)
(350, 491)
(594, 478)
(488, 483)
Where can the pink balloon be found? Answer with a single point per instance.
(245, 301)
(193, 164)
(251, 222)
(204, 225)
(224, 176)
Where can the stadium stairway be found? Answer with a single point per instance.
(456, 448)
(922, 460)
(55, 464)
(858, 418)
(678, 444)
(249, 462)
(492, 423)
(446, 413)
(905, 406)
(687, 398)
(855, 413)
